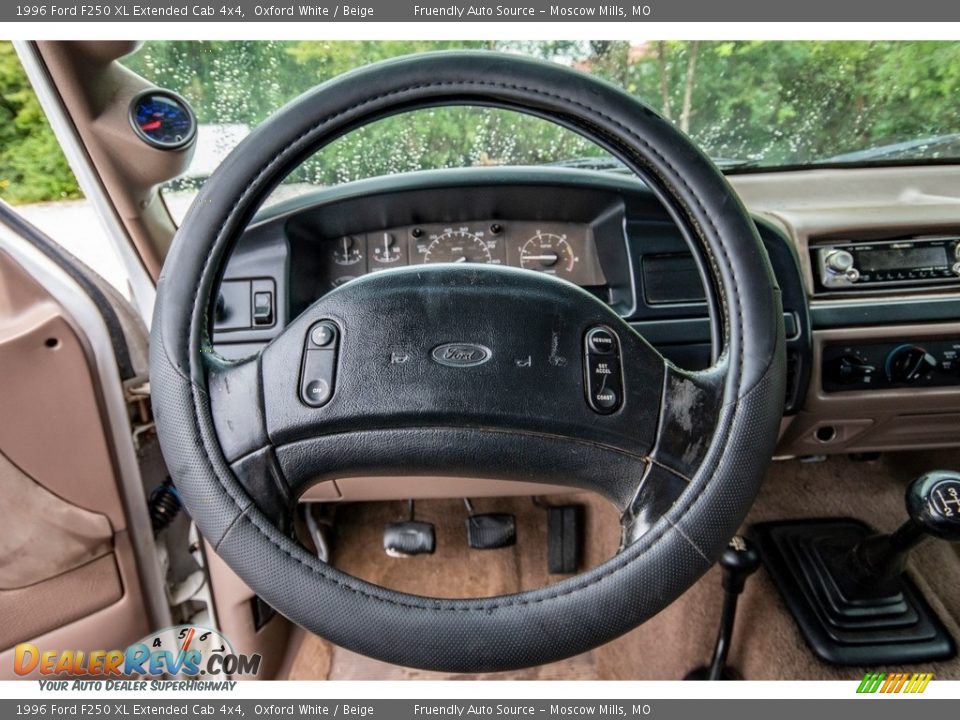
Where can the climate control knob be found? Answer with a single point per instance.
(909, 363)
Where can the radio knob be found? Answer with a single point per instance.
(956, 268)
(840, 261)
(909, 363)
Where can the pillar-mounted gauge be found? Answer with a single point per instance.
(163, 119)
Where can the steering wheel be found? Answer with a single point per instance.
(592, 405)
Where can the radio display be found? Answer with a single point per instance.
(900, 258)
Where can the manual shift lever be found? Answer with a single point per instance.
(933, 504)
(846, 585)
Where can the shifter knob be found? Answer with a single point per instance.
(739, 561)
(933, 503)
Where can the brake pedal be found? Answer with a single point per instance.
(489, 531)
(409, 537)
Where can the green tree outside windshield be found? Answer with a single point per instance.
(766, 103)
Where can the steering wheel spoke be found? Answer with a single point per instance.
(689, 420)
(236, 407)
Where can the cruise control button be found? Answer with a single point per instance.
(606, 399)
(322, 335)
(318, 370)
(317, 392)
(604, 383)
(601, 341)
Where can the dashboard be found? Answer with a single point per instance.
(606, 233)
(872, 363)
(565, 250)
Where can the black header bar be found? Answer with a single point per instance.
(537, 11)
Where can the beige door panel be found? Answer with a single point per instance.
(35, 609)
(68, 574)
(43, 536)
(51, 427)
(115, 624)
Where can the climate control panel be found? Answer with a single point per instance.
(920, 363)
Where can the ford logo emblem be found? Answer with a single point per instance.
(461, 354)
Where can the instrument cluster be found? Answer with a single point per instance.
(566, 250)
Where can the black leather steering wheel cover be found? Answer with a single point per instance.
(528, 628)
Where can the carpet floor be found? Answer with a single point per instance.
(767, 645)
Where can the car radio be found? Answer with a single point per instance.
(890, 263)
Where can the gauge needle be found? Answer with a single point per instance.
(462, 258)
(540, 257)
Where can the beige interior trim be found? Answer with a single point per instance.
(233, 600)
(876, 420)
(96, 90)
(114, 626)
(52, 431)
(43, 536)
(59, 600)
(859, 202)
(421, 487)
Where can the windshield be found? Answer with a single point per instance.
(751, 104)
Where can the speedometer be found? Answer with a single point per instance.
(457, 246)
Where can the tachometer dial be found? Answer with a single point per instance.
(549, 253)
(457, 246)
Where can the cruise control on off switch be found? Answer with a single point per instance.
(604, 379)
(319, 364)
